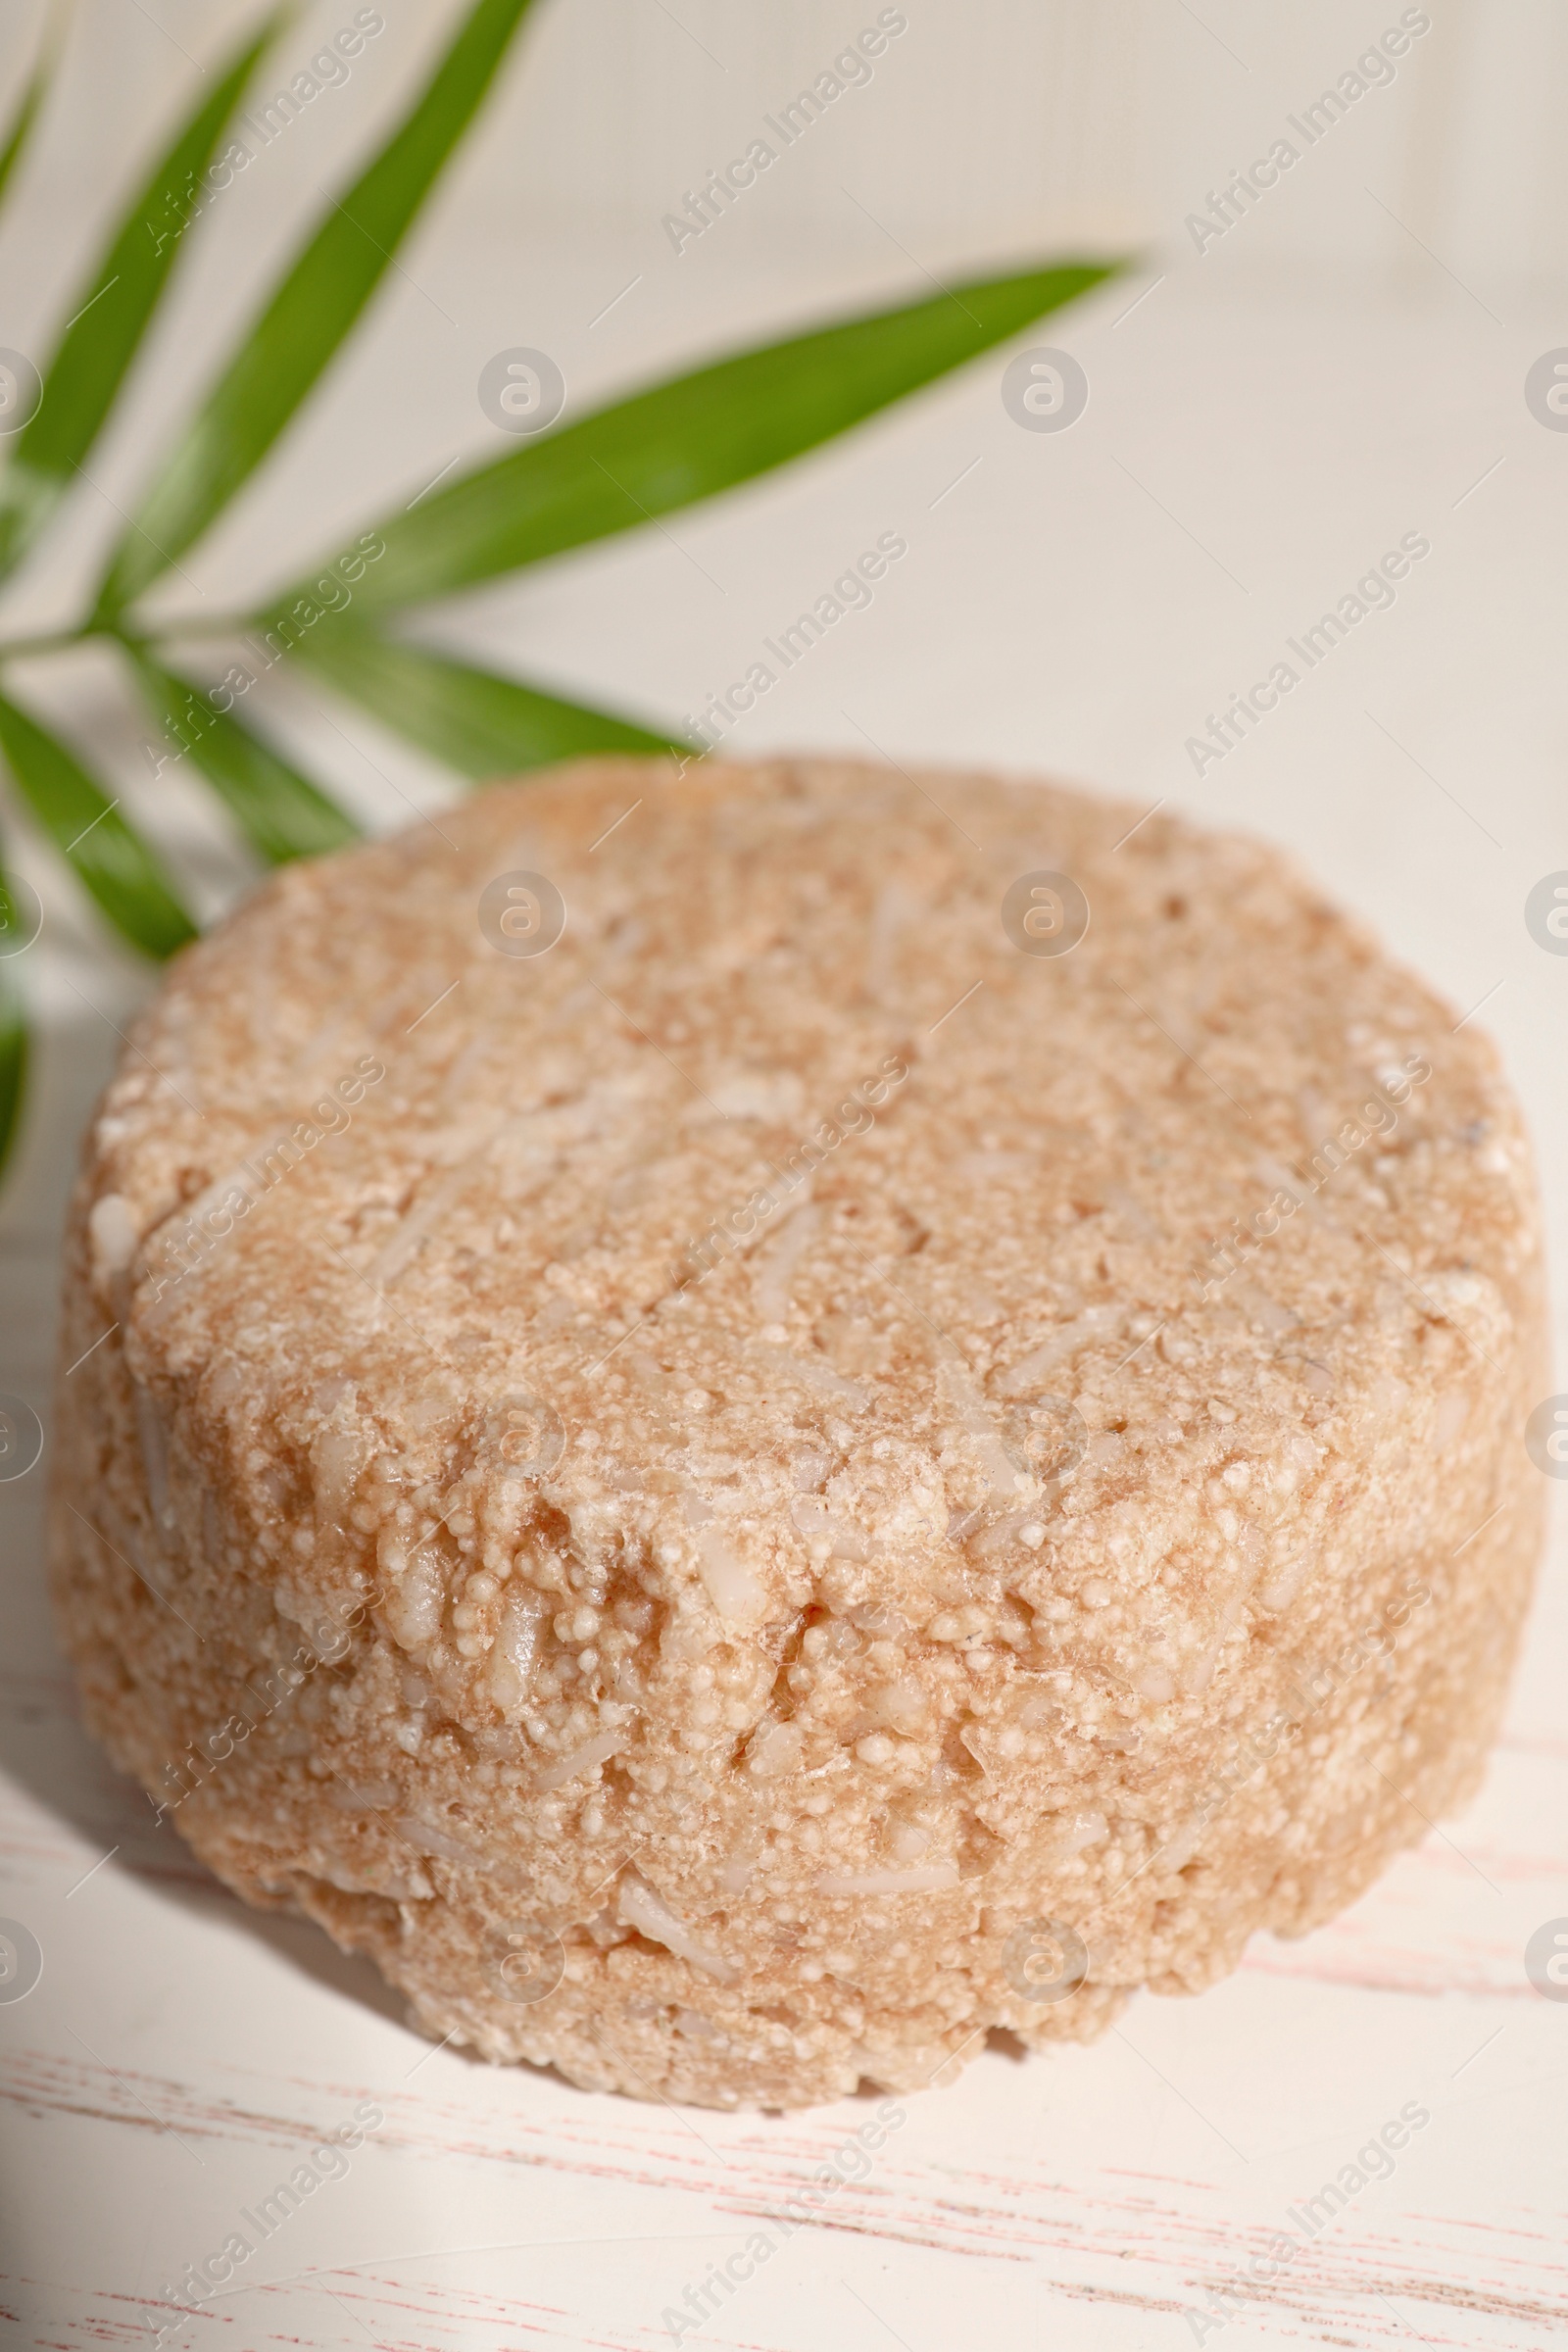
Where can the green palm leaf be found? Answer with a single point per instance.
(669, 445)
(109, 857)
(26, 114)
(479, 723)
(311, 313)
(694, 435)
(111, 314)
(281, 813)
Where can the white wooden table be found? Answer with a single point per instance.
(1075, 601)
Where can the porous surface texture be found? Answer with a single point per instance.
(748, 1498)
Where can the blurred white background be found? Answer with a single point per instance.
(1343, 367)
(994, 128)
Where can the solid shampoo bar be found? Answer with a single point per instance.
(758, 1420)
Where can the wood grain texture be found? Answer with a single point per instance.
(997, 2187)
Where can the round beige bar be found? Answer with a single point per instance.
(755, 1421)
